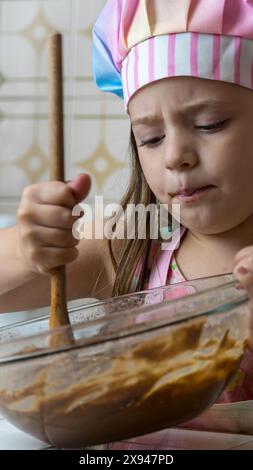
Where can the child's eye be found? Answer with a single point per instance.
(152, 142)
(212, 127)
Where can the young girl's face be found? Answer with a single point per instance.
(192, 133)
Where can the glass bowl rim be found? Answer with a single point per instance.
(140, 329)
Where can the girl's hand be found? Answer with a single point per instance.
(45, 223)
(243, 272)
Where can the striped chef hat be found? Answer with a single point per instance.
(136, 42)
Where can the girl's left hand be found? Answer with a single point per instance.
(243, 272)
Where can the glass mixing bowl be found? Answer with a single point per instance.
(139, 363)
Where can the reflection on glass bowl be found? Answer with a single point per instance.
(140, 363)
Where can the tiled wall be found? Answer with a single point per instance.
(96, 126)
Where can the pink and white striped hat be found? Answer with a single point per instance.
(137, 42)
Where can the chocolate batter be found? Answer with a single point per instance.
(119, 389)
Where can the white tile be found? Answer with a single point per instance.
(11, 21)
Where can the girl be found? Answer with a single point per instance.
(184, 69)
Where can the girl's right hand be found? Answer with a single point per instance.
(45, 223)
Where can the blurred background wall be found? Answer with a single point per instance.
(96, 126)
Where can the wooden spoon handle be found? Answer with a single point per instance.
(56, 114)
(58, 313)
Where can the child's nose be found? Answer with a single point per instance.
(175, 159)
(179, 153)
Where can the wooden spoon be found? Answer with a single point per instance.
(58, 312)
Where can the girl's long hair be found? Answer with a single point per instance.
(138, 192)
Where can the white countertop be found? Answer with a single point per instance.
(178, 439)
(12, 438)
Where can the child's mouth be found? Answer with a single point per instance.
(193, 195)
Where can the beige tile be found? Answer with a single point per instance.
(91, 117)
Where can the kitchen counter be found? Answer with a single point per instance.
(12, 438)
(177, 439)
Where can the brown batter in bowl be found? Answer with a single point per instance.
(130, 372)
